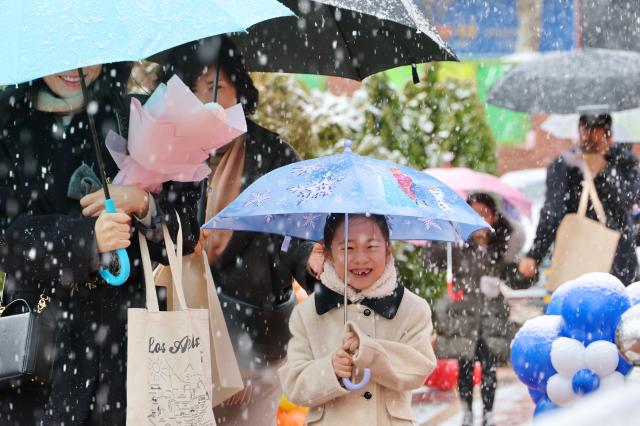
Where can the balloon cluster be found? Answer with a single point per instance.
(570, 351)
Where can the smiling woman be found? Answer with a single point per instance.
(51, 208)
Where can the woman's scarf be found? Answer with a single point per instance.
(224, 187)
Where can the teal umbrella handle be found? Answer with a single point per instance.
(123, 257)
(358, 386)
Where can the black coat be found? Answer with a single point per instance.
(618, 186)
(253, 274)
(47, 246)
(461, 324)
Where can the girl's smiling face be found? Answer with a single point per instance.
(367, 249)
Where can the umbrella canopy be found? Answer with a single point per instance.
(465, 181)
(626, 126)
(39, 38)
(295, 200)
(346, 38)
(567, 82)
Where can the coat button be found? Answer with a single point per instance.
(368, 395)
(367, 312)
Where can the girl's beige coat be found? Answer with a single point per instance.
(398, 352)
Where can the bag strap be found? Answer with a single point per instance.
(174, 254)
(589, 191)
(175, 265)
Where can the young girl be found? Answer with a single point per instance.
(388, 331)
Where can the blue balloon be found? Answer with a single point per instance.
(531, 350)
(544, 405)
(555, 304)
(623, 366)
(592, 307)
(536, 394)
(585, 381)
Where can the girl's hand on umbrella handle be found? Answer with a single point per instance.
(204, 235)
(128, 198)
(350, 342)
(342, 363)
(113, 231)
(315, 263)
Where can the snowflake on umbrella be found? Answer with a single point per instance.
(440, 199)
(310, 220)
(268, 218)
(319, 188)
(306, 169)
(258, 199)
(429, 223)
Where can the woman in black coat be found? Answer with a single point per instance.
(252, 271)
(53, 230)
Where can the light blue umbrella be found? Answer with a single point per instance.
(295, 201)
(43, 37)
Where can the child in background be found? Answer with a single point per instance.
(388, 331)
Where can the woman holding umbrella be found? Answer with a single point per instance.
(55, 237)
(472, 324)
(253, 272)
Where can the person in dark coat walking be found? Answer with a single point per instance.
(253, 272)
(54, 236)
(617, 181)
(476, 327)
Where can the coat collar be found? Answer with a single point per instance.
(387, 306)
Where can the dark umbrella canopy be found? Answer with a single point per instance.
(569, 82)
(346, 38)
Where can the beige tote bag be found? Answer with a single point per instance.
(582, 245)
(168, 354)
(200, 292)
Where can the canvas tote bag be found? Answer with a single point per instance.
(168, 354)
(582, 245)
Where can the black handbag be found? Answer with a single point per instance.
(28, 344)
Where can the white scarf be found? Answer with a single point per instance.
(384, 286)
(48, 102)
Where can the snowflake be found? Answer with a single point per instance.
(306, 169)
(268, 218)
(429, 223)
(258, 199)
(319, 188)
(439, 197)
(310, 220)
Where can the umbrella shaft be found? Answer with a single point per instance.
(94, 136)
(346, 259)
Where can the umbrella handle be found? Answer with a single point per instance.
(123, 257)
(358, 386)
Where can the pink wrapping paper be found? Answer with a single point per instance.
(171, 137)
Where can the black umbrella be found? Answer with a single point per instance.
(569, 82)
(346, 38)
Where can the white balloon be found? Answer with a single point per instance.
(560, 390)
(634, 292)
(601, 357)
(567, 356)
(611, 381)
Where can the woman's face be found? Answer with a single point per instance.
(67, 84)
(203, 88)
(367, 252)
(482, 236)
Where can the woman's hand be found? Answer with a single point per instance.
(342, 363)
(128, 198)
(315, 263)
(113, 231)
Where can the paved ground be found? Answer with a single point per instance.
(512, 406)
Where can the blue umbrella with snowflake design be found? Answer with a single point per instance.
(295, 201)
